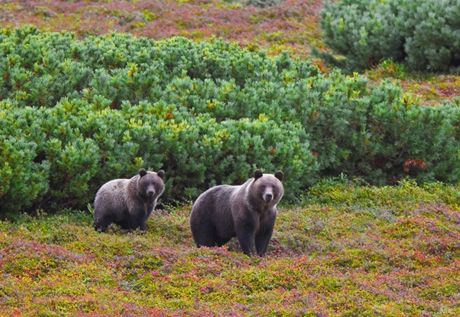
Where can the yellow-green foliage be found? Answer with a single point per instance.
(348, 251)
(76, 113)
(422, 34)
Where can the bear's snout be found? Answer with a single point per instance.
(268, 197)
(150, 193)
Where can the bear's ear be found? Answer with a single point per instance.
(161, 174)
(257, 174)
(279, 175)
(142, 172)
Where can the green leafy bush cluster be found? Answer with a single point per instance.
(58, 157)
(420, 33)
(262, 3)
(76, 113)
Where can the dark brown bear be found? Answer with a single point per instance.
(247, 211)
(128, 202)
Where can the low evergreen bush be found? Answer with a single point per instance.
(424, 34)
(262, 3)
(58, 157)
(77, 113)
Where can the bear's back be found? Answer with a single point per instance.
(214, 199)
(112, 194)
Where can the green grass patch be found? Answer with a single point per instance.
(348, 250)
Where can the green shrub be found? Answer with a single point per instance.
(366, 32)
(76, 113)
(38, 69)
(421, 33)
(262, 3)
(74, 147)
(24, 177)
(432, 37)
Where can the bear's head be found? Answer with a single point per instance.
(267, 189)
(150, 185)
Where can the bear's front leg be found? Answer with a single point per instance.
(148, 208)
(130, 224)
(262, 239)
(139, 222)
(245, 232)
(265, 233)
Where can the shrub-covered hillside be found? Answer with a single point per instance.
(349, 251)
(76, 113)
(423, 34)
(292, 25)
(79, 109)
(272, 24)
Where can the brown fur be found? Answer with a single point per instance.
(128, 202)
(246, 211)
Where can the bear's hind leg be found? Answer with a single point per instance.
(220, 241)
(128, 224)
(101, 224)
(205, 238)
(143, 226)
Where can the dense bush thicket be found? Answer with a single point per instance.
(59, 156)
(76, 113)
(262, 3)
(424, 34)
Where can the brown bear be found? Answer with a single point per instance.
(247, 211)
(128, 202)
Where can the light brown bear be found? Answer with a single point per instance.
(128, 202)
(247, 211)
